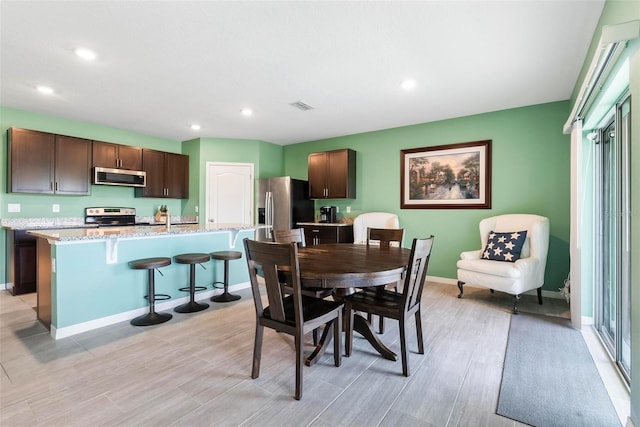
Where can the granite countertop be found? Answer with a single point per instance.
(80, 234)
(60, 223)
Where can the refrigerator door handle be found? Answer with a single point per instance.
(269, 214)
(267, 208)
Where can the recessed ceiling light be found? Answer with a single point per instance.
(87, 54)
(246, 112)
(195, 127)
(46, 90)
(408, 84)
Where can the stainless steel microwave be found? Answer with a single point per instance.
(128, 178)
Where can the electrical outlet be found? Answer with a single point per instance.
(55, 208)
(337, 209)
(13, 207)
(196, 209)
(348, 209)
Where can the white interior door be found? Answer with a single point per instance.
(229, 193)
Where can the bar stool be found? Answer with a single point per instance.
(225, 256)
(192, 259)
(151, 318)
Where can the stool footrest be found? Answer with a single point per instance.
(218, 285)
(196, 288)
(159, 297)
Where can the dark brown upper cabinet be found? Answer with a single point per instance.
(167, 175)
(332, 174)
(117, 156)
(41, 162)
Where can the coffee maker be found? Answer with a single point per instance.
(328, 214)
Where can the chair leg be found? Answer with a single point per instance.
(381, 324)
(349, 330)
(460, 287)
(337, 339)
(257, 351)
(299, 362)
(540, 295)
(403, 347)
(516, 299)
(315, 336)
(419, 332)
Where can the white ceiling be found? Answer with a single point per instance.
(163, 65)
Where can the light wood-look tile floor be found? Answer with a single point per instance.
(195, 370)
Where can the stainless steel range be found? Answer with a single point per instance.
(110, 217)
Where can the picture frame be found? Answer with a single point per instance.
(453, 176)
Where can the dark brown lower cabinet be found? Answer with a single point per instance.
(21, 261)
(319, 234)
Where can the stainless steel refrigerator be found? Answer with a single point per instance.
(282, 203)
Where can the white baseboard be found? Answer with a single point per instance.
(449, 281)
(5, 286)
(58, 333)
(629, 422)
(444, 280)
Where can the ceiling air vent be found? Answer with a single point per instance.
(301, 106)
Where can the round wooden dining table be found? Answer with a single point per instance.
(345, 266)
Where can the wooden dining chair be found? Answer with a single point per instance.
(296, 235)
(290, 235)
(396, 305)
(294, 314)
(384, 237)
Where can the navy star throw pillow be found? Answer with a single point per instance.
(504, 246)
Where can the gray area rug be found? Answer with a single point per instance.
(549, 377)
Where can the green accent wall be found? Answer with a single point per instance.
(530, 174)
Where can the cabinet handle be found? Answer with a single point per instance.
(56, 187)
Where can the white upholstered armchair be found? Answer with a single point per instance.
(373, 220)
(507, 261)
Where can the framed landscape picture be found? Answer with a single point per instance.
(454, 176)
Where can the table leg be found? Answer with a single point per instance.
(363, 327)
(360, 325)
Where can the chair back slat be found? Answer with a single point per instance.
(287, 236)
(416, 271)
(385, 236)
(270, 258)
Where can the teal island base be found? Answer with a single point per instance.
(85, 282)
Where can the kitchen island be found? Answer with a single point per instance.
(84, 281)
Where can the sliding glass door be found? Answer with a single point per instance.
(613, 246)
